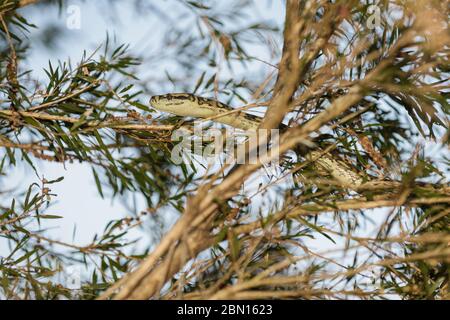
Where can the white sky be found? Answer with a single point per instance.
(78, 199)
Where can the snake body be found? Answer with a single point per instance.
(189, 105)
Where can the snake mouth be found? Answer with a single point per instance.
(154, 99)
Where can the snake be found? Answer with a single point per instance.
(190, 105)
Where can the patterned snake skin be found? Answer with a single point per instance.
(189, 105)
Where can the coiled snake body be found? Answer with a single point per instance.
(189, 105)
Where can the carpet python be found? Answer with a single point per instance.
(189, 105)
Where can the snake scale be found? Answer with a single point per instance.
(189, 105)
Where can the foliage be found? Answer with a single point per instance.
(376, 96)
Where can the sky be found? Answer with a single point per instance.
(77, 198)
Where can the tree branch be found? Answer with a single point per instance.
(187, 238)
(9, 114)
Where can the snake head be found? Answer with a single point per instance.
(154, 100)
(161, 102)
(180, 104)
